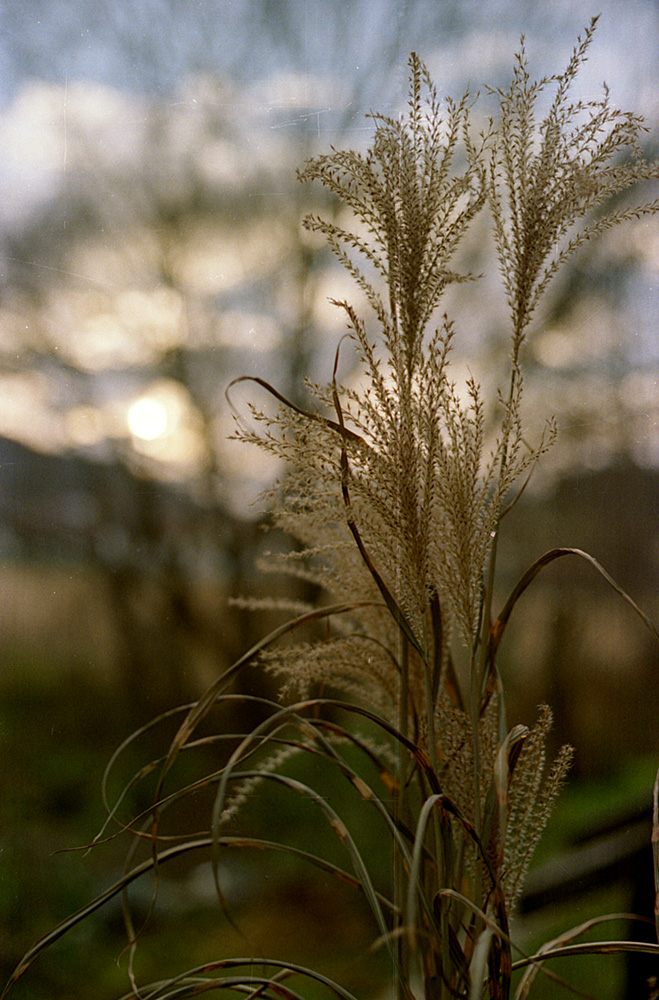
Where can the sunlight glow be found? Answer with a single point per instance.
(166, 429)
(148, 418)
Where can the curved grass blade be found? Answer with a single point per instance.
(160, 803)
(245, 749)
(194, 986)
(318, 418)
(363, 788)
(177, 850)
(311, 727)
(75, 918)
(164, 802)
(170, 853)
(313, 705)
(532, 970)
(447, 806)
(495, 814)
(501, 622)
(344, 835)
(557, 949)
(201, 707)
(601, 948)
(479, 963)
(249, 979)
(143, 772)
(415, 888)
(336, 823)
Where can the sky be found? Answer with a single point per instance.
(327, 61)
(151, 45)
(277, 80)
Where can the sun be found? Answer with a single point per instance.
(148, 419)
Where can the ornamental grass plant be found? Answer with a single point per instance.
(396, 489)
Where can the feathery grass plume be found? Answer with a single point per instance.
(532, 795)
(393, 487)
(546, 182)
(404, 464)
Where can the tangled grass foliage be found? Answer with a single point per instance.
(395, 490)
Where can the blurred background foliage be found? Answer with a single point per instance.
(150, 251)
